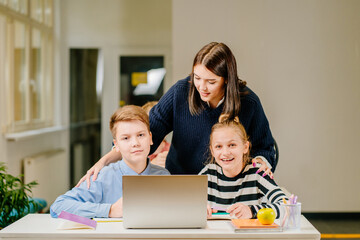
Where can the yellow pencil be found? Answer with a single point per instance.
(284, 200)
(109, 221)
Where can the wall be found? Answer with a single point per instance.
(12, 152)
(117, 27)
(302, 58)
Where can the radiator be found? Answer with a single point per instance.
(51, 170)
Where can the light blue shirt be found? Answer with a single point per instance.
(106, 190)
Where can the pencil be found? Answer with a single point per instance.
(109, 221)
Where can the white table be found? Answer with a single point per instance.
(42, 226)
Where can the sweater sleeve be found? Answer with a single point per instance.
(161, 118)
(262, 142)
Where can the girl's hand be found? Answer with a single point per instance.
(116, 209)
(210, 211)
(263, 167)
(160, 159)
(240, 210)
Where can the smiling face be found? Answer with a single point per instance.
(210, 86)
(133, 141)
(228, 149)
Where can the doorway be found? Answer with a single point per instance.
(85, 111)
(141, 79)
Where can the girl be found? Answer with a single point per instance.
(235, 185)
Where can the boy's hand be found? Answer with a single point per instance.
(239, 210)
(116, 210)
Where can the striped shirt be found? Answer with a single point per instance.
(249, 188)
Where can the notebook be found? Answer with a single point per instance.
(241, 225)
(170, 201)
(73, 221)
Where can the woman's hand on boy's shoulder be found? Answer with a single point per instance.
(112, 156)
(93, 171)
(264, 167)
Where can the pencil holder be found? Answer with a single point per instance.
(291, 217)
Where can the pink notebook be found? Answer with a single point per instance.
(78, 222)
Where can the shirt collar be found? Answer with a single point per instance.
(220, 102)
(126, 170)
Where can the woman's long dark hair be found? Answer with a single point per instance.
(218, 58)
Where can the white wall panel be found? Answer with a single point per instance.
(302, 57)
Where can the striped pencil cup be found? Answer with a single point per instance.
(291, 217)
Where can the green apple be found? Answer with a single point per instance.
(266, 216)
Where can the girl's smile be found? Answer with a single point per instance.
(228, 149)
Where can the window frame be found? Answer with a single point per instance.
(46, 29)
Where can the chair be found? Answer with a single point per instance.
(39, 205)
(276, 148)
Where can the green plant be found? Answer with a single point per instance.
(14, 197)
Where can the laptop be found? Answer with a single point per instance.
(166, 201)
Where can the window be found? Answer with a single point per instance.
(26, 78)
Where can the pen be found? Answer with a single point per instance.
(219, 208)
(291, 199)
(101, 221)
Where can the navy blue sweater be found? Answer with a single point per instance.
(191, 133)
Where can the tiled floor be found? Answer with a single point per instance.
(336, 228)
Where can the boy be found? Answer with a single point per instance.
(130, 128)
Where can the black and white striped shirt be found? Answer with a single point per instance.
(249, 188)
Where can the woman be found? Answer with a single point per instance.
(193, 105)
